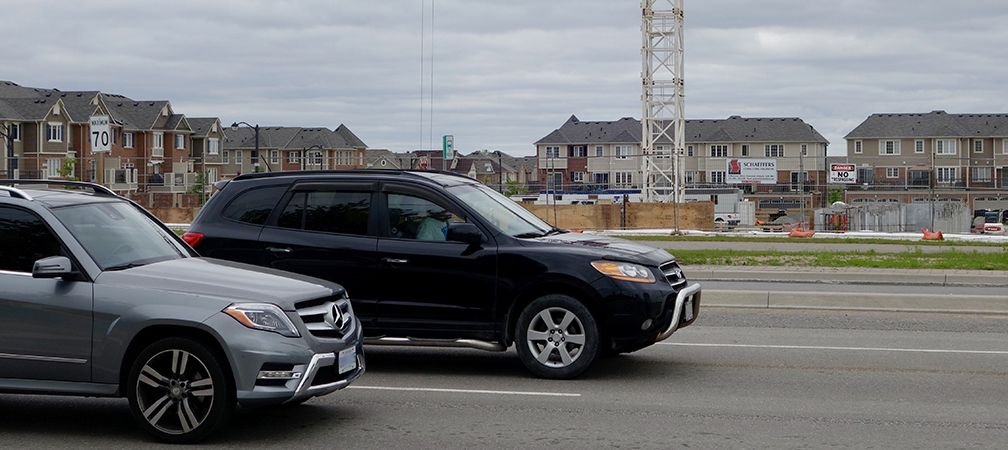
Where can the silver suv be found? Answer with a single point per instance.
(99, 298)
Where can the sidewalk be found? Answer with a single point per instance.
(926, 277)
(825, 289)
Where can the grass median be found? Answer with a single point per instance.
(951, 259)
(782, 239)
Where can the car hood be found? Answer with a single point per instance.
(224, 280)
(610, 247)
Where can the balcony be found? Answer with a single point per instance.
(173, 182)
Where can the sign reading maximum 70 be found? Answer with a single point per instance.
(843, 173)
(100, 134)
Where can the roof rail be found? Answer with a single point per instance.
(250, 176)
(12, 191)
(95, 187)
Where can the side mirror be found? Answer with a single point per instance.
(52, 267)
(465, 232)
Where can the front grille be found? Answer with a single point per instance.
(327, 317)
(673, 273)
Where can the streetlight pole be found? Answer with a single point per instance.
(500, 170)
(255, 154)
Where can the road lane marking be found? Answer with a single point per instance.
(856, 349)
(466, 391)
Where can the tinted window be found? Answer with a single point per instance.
(254, 205)
(332, 212)
(24, 239)
(416, 218)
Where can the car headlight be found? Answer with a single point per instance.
(624, 271)
(263, 316)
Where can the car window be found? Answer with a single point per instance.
(417, 218)
(118, 234)
(24, 239)
(254, 205)
(328, 211)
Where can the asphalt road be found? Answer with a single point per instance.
(739, 378)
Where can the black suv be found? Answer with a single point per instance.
(432, 258)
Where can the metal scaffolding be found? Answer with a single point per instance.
(663, 121)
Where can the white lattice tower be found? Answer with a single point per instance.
(663, 121)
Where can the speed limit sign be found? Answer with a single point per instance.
(101, 138)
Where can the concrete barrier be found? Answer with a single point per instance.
(856, 302)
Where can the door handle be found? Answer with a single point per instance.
(395, 260)
(279, 249)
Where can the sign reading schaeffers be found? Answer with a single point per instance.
(751, 171)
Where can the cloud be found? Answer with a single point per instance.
(508, 73)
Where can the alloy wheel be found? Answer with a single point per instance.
(175, 392)
(556, 337)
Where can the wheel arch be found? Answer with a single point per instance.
(154, 333)
(558, 284)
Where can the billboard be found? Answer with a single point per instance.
(842, 173)
(750, 171)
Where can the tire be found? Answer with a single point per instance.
(545, 321)
(178, 391)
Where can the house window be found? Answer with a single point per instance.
(719, 151)
(866, 175)
(601, 181)
(599, 151)
(662, 152)
(54, 131)
(554, 181)
(797, 179)
(745, 150)
(982, 174)
(238, 157)
(157, 146)
(127, 140)
(179, 141)
(622, 151)
(978, 146)
(773, 150)
(14, 131)
(53, 167)
(577, 177)
(623, 179)
(947, 174)
(889, 147)
(226, 156)
(919, 146)
(716, 177)
(689, 150)
(857, 147)
(578, 151)
(214, 146)
(691, 177)
(804, 149)
(294, 157)
(892, 172)
(552, 152)
(945, 146)
(1004, 146)
(275, 156)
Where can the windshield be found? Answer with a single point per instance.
(506, 215)
(117, 236)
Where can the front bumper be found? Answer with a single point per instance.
(643, 314)
(326, 362)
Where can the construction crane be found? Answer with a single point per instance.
(663, 121)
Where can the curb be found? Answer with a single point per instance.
(999, 279)
(973, 304)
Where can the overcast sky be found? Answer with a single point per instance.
(507, 73)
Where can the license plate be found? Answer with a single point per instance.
(688, 310)
(347, 360)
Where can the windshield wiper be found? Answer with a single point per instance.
(531, 234)
(555, 230)
(124, 266)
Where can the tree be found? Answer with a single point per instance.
(513, 188)
(66, 169)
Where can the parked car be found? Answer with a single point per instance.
(440, 259)
(100, 299)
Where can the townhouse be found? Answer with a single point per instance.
(604, 155)
(291, 148)
(935, 149)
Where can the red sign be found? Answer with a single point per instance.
(424, 163)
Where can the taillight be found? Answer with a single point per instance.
(193, 238)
